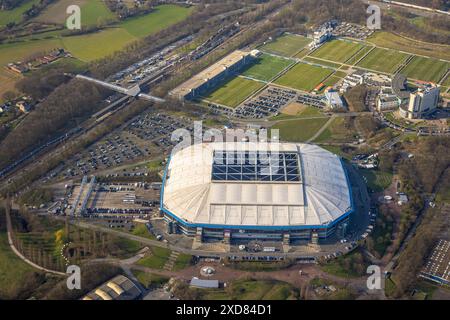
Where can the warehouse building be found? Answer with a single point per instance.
(245, 191)
(118, 288)
(213, 75)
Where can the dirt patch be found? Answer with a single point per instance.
(293, 109)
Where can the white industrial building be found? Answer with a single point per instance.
(387, 100)
(268, 191)
(334, 100)
(422, 102)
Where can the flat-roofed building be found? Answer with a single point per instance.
(334, 100)
(422, 102)
(245, 191)
(387, 99)
(211, 76)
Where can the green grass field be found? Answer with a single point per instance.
(97, 45)
(261, 290)
(12, 269)
(287, 45)
(323, 63)
(95, 12)
(250, 289)
(337, 50)
(163, 17)
(10, 52)
(396, 42)
(304, 76)
(89, 47)
(15, 15)
(359, 55)
(377, 180)
(426, 69)
(266, 67)
(150, 280)
(446, 82)
(331, 81)
(299, 130)
(234, 91)
(336, 132)
(304, 112)
(183, 261)
(383, 60)
(141, 230)
(157, 259)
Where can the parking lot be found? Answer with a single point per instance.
(158, 128)
(270, 101)
(350, 30)
(113, 199)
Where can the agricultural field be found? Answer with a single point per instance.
(299, 130)
(267, 67)
(100, 44)
(337, 50)
(93, 12)
(304, 77)
(10, 52)
(92, 46)
(15, 15)
(426, 69)
(396, 42)
(383, 60)
(287, 45)
(162, 17)
(234, 91)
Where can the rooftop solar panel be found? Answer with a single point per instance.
(255, 166)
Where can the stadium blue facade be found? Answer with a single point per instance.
(276, 233)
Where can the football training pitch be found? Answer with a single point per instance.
(337, 50)
(234, 91)
(267, 67)
(383, 60)
(427, 69)
(304, 77)
(287, 45)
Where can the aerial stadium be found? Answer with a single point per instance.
(244, 191)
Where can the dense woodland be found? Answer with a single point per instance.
(426, 172)
(63, 107)
(10, 4)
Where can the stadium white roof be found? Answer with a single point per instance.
(198, 192)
